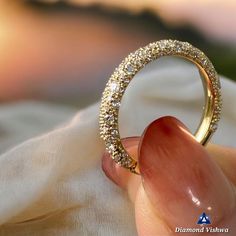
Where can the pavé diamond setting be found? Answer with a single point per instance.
(124, 73)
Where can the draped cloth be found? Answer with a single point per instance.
(51, 181)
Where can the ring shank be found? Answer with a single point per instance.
(121, 78)
(203, 132)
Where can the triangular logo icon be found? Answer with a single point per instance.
(204, 219)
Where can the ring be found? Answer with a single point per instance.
(123, 74)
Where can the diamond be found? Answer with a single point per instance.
(130, 69)
(204, 62)
(112, 147)
(154, 49)
(214, 127)
(116, 104)
(126, 81)
(178, 47)
(115, 133)
(109, 118)
(118, 158)
(114, 87)
(162, 44)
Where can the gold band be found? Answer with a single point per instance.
(122, 76)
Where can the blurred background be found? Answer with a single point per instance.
(64, 51)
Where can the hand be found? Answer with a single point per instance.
(180, 179)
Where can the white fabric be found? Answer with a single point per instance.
(52, 183)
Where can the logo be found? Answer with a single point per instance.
(204, 219)
(203, 222)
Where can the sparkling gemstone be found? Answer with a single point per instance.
(126, 81)
(114, 87)
(130, 69)
(154, 49)
(114, 133)
(110, 142)
(111, 148)
(214, 127)
(109, 97)
(116, 104)
(204, 62)
(110, 119)
(162, 45)
(141, 54)
(178, 47)
(118, 157)
(193, 54)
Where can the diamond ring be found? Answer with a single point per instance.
(125, 72)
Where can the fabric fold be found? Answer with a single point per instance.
(52, 182)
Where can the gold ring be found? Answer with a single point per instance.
(124, 73)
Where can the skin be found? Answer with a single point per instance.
(180, 179)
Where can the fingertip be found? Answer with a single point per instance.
(115, 172)
(180, 178)
(109, 168)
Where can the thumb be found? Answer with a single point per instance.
(180, 179)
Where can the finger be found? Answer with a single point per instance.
(226, 158)
(119, 175)
(180, 178)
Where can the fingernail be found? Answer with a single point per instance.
(180, 178)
